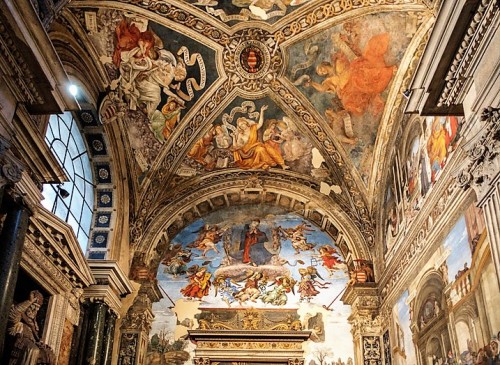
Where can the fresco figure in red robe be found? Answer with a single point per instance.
(199, 283)
(252, 244)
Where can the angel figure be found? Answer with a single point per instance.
(330, 258)
(227, 288)
(278, 294)
(298, 238)
(308, 283)
(208, 237)
(199, 283)
(251, 291)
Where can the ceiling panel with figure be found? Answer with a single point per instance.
(234, 11)
(156, 75)
(254, 135)
(347, 72)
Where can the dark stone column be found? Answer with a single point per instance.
(11, 247)
(95, 335)
(109, 335)
(79, 336)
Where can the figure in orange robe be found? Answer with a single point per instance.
(358, 83)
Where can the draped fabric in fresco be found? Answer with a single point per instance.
(253, 135)
(421, 314)
(345, 71)
(156, 74)
(256, 257)
(231, 11)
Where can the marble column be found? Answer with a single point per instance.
(11, 245)
(109, 334)
(96, 333)
(79, 336)
(482, 173)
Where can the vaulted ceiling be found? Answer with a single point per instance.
(182, 86)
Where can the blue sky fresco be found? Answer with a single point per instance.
(457, 244)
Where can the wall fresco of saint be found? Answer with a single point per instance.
(257, 258)
(421, 164)
(346, 72)
(439, 289)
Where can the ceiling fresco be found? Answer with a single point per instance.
(346, 72)
(240, 10)
(254, 135)
(206, 92)
(156, 74)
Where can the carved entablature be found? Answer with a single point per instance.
(243, 346)
(463, 63)
(483, 163)
(53, 256)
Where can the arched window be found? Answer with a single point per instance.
(73, 200)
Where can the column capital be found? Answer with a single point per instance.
(481, 168)
(365, 318)
(11, 168)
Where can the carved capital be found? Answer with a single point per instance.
(483, 158)
(10, 167)
(201, 361)
(365, 324)
(296, 361)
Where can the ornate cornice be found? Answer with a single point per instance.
(24, 85)
(461, 66)
(55, 239)
(482, 169)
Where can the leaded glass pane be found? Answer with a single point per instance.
(67, 144)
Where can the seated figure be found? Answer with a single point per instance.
(27, 348)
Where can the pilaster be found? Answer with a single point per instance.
(366, 322)
(136, 325)
(481, 172)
